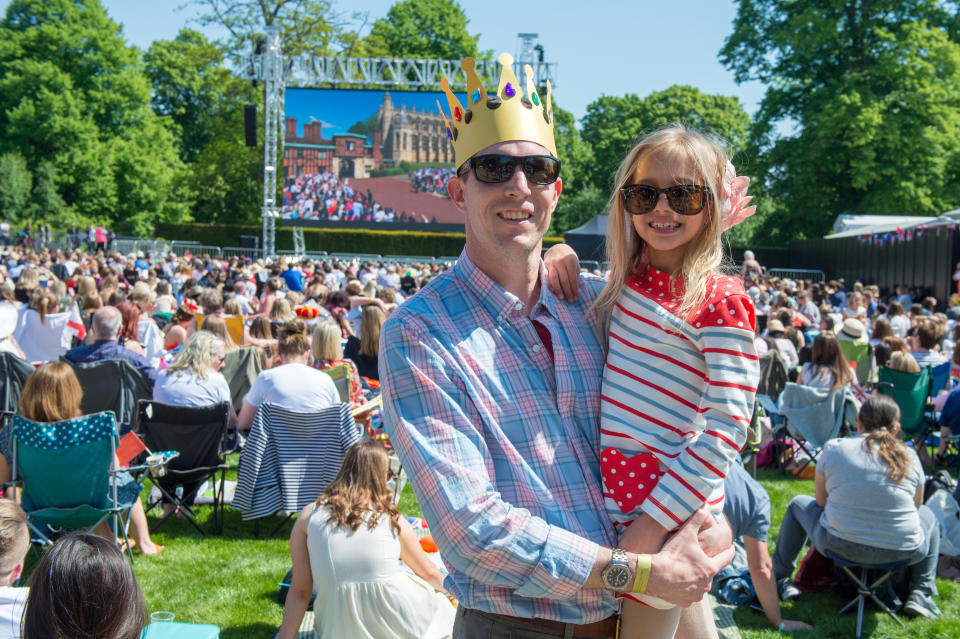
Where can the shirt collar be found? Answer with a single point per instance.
(495, 299)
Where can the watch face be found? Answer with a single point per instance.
(617, 577)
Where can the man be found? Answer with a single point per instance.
(492, 398)
(925, 342)
(14, 542)
(107, 323)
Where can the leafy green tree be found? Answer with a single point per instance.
(15, 186)
(74, 94)
(860, 113)
(612, 124)
(309, 26)
(580, 199)
(422, 29)
(47, 203)
(204, 101)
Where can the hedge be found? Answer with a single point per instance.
(329, 240)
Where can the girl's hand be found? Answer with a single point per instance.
(563, 271)
(715, 536)
(644, 535)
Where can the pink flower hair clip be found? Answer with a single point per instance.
(734, 207)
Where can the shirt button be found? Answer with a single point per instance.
(537, 347)
(518, 306)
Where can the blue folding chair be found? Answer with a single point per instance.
(67, 471)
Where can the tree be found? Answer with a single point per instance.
(47, 203)
(204, 101)
(612, 124)
(15, 186)
(309, 27)
(74, 94)
(422, 29)
(580, 199)
(860, 114)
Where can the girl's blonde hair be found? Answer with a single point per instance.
(326, 342)
(371, 320)
(44, 302)
(216, 325)
(196, 355)
(683, 150)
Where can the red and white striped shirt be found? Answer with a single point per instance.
(678, 391)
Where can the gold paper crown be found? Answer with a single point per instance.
(492, 118)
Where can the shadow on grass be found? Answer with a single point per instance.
(249, 631)
(233, 526)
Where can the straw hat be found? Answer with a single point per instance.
(774, 326)
(853, 329)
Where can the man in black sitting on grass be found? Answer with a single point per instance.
(107, 322)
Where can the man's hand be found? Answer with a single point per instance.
(563, 271)
(715, 536)
(681, 572)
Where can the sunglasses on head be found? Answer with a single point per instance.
(498, 168)
(685, 199)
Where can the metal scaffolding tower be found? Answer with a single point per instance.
(271, 64)
(277, 71)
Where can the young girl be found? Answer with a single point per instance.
(828, 369)
(681, 369)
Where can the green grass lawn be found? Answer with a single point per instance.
(231, 580)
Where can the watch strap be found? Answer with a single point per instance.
(643, 574)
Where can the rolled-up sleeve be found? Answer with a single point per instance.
(439, 434)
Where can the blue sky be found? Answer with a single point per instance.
(602, 48)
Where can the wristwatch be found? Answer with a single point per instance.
(617, 576)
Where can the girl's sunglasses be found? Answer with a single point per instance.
(685, 199)
(498, 168)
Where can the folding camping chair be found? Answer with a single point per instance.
(811, 416)
(860, 354)
(340, 375)
(111, 384)
(910, 391)
(289, 459)
(14, 372)
(68, 474)
(240, 368)
(199, 435)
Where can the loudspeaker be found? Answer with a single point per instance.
(250, 123)
(249, 241)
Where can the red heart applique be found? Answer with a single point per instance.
(628, 480)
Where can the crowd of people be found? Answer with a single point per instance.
(573, 439)
(327, 197)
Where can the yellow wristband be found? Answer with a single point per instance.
(643, 574)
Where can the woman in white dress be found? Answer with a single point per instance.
(348, 547)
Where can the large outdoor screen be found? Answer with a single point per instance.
(369, 159)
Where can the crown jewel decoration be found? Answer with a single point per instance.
(490, 118)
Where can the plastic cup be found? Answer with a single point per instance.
(161, 616)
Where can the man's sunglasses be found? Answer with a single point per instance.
(685, 199)
(498, 168)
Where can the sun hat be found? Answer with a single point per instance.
(852, 328)
(774, 326)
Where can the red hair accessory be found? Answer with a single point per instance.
(189, 307)
(307, 312)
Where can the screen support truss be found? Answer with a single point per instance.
(277, 71)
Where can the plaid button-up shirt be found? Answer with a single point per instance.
(501, 442)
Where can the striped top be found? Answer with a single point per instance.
(680, 389)
(290, 457)
(501, 441)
